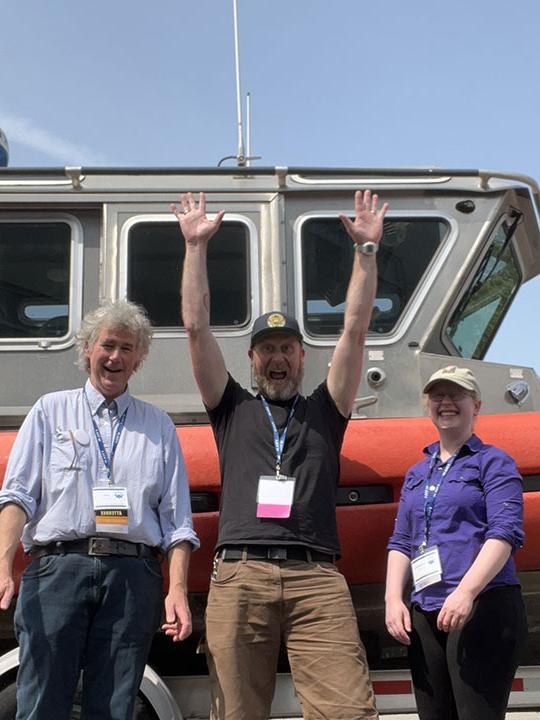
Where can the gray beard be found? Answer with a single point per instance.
(267, 388)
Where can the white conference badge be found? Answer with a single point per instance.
(275, 496)
(426, 568)
(111, 509)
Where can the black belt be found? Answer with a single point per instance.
(273, 552)
(99, 546)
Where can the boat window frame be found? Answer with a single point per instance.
(418, 296)
(446, 340)
(252, 300)
(75, 297)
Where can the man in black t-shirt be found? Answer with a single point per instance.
(274, 576)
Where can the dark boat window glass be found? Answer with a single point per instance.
(155, 259)
(34, 279)
(407, 248)
(481, 310)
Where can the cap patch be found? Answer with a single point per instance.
(275, 320)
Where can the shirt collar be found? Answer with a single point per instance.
(96, 399)
(473, 445)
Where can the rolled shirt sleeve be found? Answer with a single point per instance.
(400, 539)
(22, 481)
(503, 489)
(175, 507)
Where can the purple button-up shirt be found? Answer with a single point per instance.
(480, 497)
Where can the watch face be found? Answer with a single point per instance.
(367, 248)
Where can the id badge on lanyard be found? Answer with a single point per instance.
(275, 493)
(111, 509)
(426, 568)
(111, 506)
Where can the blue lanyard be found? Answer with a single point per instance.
(431, 491)
(279, 440)
(107, 459)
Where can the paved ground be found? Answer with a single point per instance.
(526, 715)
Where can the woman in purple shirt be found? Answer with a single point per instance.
(460, 518)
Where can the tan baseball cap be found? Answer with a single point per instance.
(459, 376)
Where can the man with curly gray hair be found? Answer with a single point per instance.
(97, 488)
(120, 314)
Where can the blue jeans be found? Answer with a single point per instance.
(95, 614)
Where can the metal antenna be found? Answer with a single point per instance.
(248, 129)
(241, 156)
(242, 160)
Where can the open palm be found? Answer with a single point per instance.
(367, 226)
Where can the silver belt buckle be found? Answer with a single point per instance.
(99, 546)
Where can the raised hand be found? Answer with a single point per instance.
(196, 227)
(368, 223)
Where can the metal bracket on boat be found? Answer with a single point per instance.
(76, 177)
(518, 392)
(282, 173)
(486, 175)
(363, 402)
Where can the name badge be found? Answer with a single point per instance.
(111, 509)
(426, 568)
(275, 496)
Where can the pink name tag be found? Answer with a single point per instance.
(275, 496)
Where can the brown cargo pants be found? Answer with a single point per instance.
(255, 604)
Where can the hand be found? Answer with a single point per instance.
(398, 621)
(177, 623)
(456, 610)
(7, 590)
(368, 223)
(195, 226)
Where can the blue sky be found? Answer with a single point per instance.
(342, 83)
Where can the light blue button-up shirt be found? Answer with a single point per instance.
(55, 462)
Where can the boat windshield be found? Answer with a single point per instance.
(482, 308)
(407, 249)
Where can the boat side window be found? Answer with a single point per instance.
(155, 259)
(35, 260)
(482, 308)
(407, 248)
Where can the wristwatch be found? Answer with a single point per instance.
(367, 248)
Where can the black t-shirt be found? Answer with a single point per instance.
(245, 444)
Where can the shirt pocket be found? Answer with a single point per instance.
(468, 476)
(68, 455)
(412, 481)
(468, 486)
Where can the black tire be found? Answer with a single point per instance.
(8, 706)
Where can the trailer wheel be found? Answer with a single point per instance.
(8, 706)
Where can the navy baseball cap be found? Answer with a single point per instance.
(274, 322)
